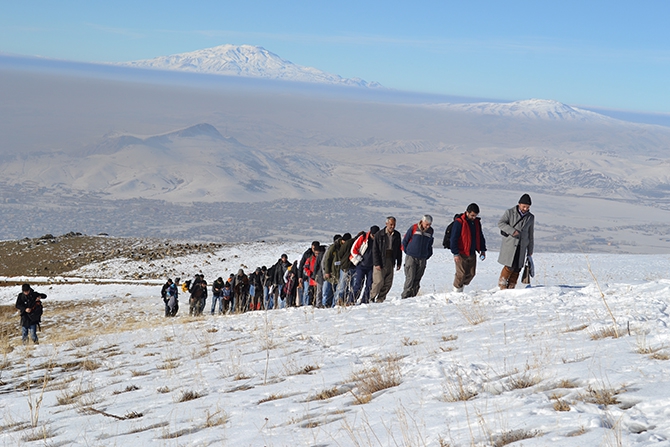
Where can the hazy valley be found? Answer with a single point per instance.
(224, 162)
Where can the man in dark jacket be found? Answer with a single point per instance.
(386, 257)
(256, 282)
(30, 304)
(240, 291)
(276, 279)
(217, 294)
(164, 295)
(467, 239)
(418, 247)
(198, 297)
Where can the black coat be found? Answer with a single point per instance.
(381, 244)
(25, 302)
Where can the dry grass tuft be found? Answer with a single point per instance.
(72, 396)
(474, 313)
(523, 380)
(643, 346)
(305, 370)
(271, 397)
(241, 376)
(606, 332)
(456, 390)
(580, 431)
(163, 390)
(581, 327)
(558, 403)
(406, 341)
(218, 418)
(39, 434)
(449, 337)
(81, 342)
(138, 373)
(511, 436)
(327, 394)
(376, 378)
(601, 396)
(660, 356)
(169, 364)
(90, 365)
(189, 395)
(565, 383)
(127, 389)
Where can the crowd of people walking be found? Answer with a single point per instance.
(360, 269)
(352, 270)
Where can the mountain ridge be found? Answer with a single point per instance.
(246, 61)
(537, 109)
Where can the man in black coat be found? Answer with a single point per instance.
(386, 258)
(30, 304)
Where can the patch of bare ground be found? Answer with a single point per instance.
(57, 255)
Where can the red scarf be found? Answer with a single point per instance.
(465, 244)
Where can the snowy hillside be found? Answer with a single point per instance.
(245, 60)
(568, 362)
(541, 109)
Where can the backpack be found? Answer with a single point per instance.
(446, 242)
(35, 315)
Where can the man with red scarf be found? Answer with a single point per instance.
(467, 239)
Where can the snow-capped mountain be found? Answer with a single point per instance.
(540, 109)
(246, 60)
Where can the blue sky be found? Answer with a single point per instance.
(611, 54)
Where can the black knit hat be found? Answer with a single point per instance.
(374, 229)
(525, 200)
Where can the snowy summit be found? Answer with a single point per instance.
(540, 109)
(246, 60)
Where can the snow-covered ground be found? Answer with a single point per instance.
(532, 363)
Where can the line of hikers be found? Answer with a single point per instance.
(351, 270)
(360, 269)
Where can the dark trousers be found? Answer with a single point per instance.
(414, 268)
(361, 274)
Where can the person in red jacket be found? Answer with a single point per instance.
(467, 239)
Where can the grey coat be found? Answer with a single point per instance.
(508, 223)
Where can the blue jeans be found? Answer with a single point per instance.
(267, 298)
(305, 292)
(33, 333)
(328, 294)
(362, 274)
(342, 287)
(214, 300)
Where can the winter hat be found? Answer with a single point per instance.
(374, 229)
(525, 200)
(25, 287)
(346, 236)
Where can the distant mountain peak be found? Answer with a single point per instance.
(246, 60)
(115, 141)
(539, 109)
